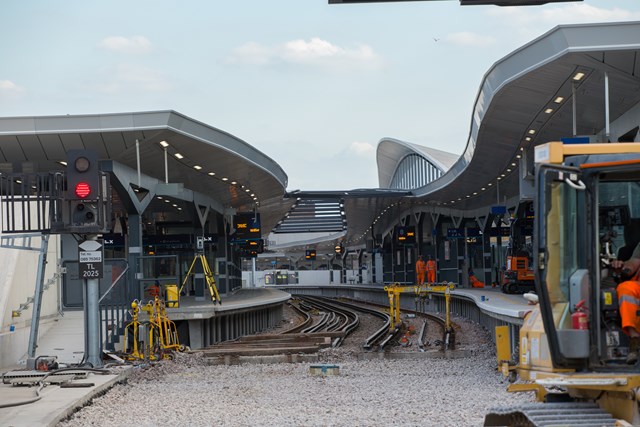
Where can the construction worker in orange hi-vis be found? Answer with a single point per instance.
(629, 300)
(421, 268)
(431, 270)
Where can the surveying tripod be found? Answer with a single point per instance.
(208, 275)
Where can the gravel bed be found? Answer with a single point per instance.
(381, 392)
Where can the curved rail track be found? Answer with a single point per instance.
(326, 322)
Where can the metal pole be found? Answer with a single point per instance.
(92, 331)
(166, 167)
(253, 272)
(37, 297)
(606, 105)
(138, 160)
(574, 104)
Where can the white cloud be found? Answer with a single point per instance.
(127, 78)
(7, 86)
(251, 53)
(315, 52)
(469, 39)
(131, 45)
(361, 148)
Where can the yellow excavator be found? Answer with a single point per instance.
(572, 349)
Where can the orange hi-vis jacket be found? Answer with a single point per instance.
(431, 265)
(629, 302)
(421, 266)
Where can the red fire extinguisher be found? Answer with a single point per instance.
(579, 319)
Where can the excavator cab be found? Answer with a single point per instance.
(590, 215)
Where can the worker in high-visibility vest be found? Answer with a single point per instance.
(431, 270)
(421, 268)
(629, 300)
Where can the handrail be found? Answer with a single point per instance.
(114, 283)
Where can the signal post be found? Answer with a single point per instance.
(85, 213)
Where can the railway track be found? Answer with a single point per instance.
(325, 323)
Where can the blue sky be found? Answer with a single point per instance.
(312, 85)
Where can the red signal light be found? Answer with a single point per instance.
(82, 189)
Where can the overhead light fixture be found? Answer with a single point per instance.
(483, 188)
(233, 183)
(197, 167)
(475, 193)
(179, 156)
(211, 173)
(164, 144)
(508, 170)
(489, 184)
(247, 191)
(559, 99)
(518, 156)
(578, 76)
(532, 131)
(502, 175)
(528, 139)
(63, 163)
(225, 179)
(549, 110)
(513, 164)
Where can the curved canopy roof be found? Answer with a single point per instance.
(390, 153)
(525, 99)
(242, 174)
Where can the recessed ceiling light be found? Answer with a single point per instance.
(549, 110)
(508, 170)
(518, 156)
(233, 183)
(532, 131)
(513, 164)
(489, 184)
(578, 76)
(225, 179)
(165, 144)
(527, 139)
(211, 173)
(63, 163)
(559, 99)
(197, 167)
(179, 156)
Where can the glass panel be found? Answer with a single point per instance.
(562, 250)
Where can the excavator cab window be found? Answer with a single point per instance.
(561, 279)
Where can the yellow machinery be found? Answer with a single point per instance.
(162, 334)
(208, 275)
(421, 292)
(571, 345)
(133, 328)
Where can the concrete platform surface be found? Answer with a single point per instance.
(55, 403)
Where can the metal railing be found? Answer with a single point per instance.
(114, 311)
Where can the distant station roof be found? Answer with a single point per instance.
(390, 153)
(205, 159)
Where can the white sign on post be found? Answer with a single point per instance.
(90, 259)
